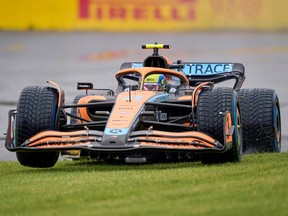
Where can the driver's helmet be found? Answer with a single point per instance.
(155, 82)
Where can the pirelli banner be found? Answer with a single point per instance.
(143, 15)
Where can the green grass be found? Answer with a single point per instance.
(256, 186)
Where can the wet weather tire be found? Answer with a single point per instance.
(212, 105)
(260, 112)
(36, 112)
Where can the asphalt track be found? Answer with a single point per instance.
(32, 58)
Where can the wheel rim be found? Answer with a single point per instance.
(238, 128)
(238, 131)
(277, 128)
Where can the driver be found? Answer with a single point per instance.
(155, 82)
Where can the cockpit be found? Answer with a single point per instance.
(150, 79)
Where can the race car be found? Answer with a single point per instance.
(161, 111)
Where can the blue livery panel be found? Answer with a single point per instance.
(136, 65)
(205, 69)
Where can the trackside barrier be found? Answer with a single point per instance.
(143, 15)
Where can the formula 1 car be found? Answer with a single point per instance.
(160, 111)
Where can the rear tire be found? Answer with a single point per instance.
(36, 112)
(212, 105)
(260, 111)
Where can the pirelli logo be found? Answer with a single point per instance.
(160, 10)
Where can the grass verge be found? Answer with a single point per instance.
(256, 186)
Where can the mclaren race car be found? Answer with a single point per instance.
(161, 111)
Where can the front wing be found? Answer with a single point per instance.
(92, 140)
(140, 140)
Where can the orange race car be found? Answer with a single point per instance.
(160, 111)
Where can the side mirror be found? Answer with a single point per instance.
(84, 86)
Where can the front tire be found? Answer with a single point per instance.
(36, 112)
(212, 105)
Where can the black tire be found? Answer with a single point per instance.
(212, 105)
(36, 112)
(260, 112)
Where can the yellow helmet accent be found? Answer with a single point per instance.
(155, 46)
(152, 78)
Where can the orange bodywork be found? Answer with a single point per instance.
(127, 107)
(82, 111)
(191, 140)
(227, 127)
(60, 139)
(172, 140)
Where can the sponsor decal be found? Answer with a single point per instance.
(245, 9)
(161, 10)
(136, 98)
(124, 113)
(115, 131)
(206, 69)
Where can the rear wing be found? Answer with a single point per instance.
(198, 72)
